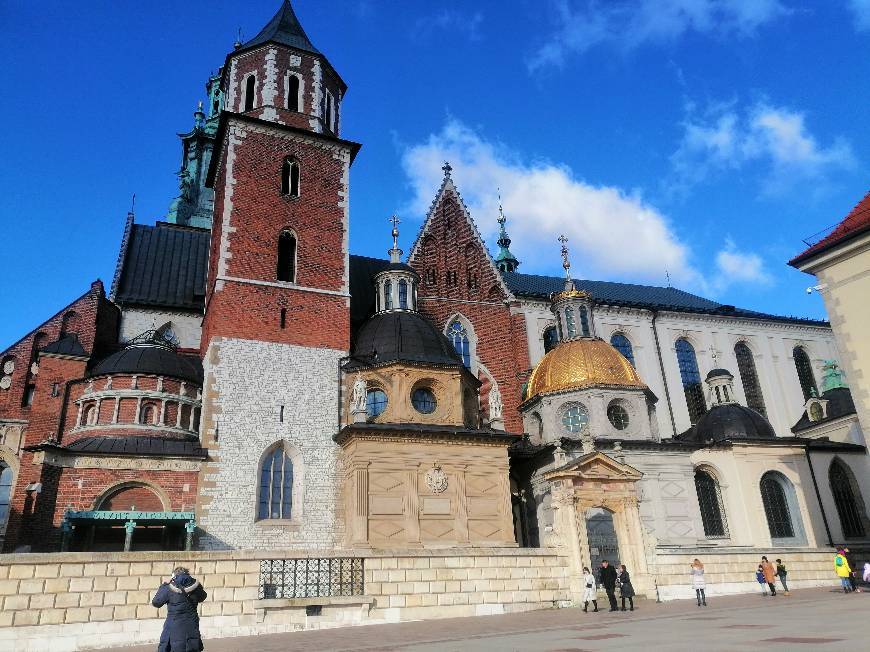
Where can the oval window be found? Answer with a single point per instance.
(376, 402)
(575, 418)
(618, 416)
(423, 400)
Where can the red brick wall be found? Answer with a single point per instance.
(129, 498)
(451, 248)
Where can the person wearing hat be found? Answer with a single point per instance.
(841, 566)
(181, 593)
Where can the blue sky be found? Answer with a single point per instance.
(698, 138)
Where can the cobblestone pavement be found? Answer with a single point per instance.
(811, 619)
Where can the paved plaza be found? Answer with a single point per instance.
(811, 619)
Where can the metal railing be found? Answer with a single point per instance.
(311, 578)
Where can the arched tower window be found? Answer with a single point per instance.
(293, 95)
(776, 508)
(844, 488)
(250, 92)
(69, 323)
(584, 321)
(710, 504)
(388, 295)
(89, 416)
(691, 378)
(622, 344)
(570, 326)
(403, 294)
(805, 372)
(146, 417)
(551, 338)
(328, 112)
(287, 257)
(275, 499)
(290, 177)
(5, 493)
(459, 336)
(749, 378)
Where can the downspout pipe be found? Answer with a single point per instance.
(655, 314)
(818, 494)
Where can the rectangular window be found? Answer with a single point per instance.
(27, 399)
(55, 389)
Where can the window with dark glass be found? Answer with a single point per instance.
(570, 326)
(776, 509)
(286, 257)
(376, 402)
(710, 504)
(691, 379)
(276, 486)
(250, 87)
(749, 378)
(423, 400)
(805, 372)
(584, 321)
(844, 499)
(29, 392)
(403, 294)
(621, 343)
(5, 492)
(551, 338)
(327, 113)
(459, 336)
(290, 177)
(618, 416)
(293, 93)
(388, 295)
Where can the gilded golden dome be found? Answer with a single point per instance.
(580, 363)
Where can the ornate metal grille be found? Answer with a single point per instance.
(749, 378)
(710, 503)
(805, 372)
(844, 498)
(776, 508)
(311, 578)
(691, 378)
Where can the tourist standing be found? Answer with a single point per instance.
(866, 571)
(759, 577)
(769, 574)
(626, 590)
(853, 581)
(607, 579)
(698, 582)
(589, 591)
(181, 630)
(781, 573)
(841, 565)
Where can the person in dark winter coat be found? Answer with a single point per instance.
(607, 579)
(782, 574)
(182, 594)
(626, 590)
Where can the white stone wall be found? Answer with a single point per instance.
(247, 382)
(186, 326)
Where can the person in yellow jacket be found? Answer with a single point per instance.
(841, 565)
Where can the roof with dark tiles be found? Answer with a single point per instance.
(138, 445)
(284, 29)
(67, 344)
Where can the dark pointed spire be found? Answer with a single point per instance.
(505, 261)
(285, 29)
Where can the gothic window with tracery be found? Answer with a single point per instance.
(276, 485)
(749, 378)
(290, 177)
(691, 378)
(710, 504)
(776, 509)
(805, 372)
(844, 498)
(459, 336)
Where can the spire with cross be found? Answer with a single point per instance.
(505, 261)
(395, 252)
(447, 169)
(566, 264)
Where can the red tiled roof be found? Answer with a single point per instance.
(856, 222)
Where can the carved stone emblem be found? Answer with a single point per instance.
(6, 382)
(9, 366)
(436, 480)
(34, 368)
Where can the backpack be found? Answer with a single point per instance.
(839, 560)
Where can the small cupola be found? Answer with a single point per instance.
(572, 307)
(505, 261)
(396, 286)
(721, 384)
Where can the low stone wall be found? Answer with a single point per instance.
(89, 600)
(732, 570)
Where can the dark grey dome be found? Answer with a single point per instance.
(402, 337)
(151, 359)
(731, 421)
(719, 372)
(398, 267)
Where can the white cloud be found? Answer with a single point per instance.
(861, 13)
(726, 138)
(734, 266)
(451, 20)
(628, 24)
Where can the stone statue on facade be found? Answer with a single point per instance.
(358, 400)
(496, 408)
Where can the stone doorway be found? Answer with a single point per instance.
(601, 537)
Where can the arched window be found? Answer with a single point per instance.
(710, 504)
(844, 488)
(805, 372)
(551, 338)
(388, 295)
(5, 493)
(70, 323)
(276, 485)
(328, 114)
(286, 257)
(621, 343)
(290, 177)
(749, 378)
(776, 507)
(403, 294)
(570, 326)
(89, 416)
(250, 91)
(146, 417)
(584, 321)
(293, 100)
(459, 336)
(691, 378)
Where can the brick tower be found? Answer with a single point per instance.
(277, 314)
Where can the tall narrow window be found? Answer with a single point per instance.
(459, 336)
(622, 344)
(691, 379)
(388, 295)
(570, 326)
(250, 91)
(749, 378)
(551, 338)
(328, 112)
(776, 509)
(293, 93)
(276, 486)
(403, 294)
(584, 321)
(710, 504)
(805, 372)
(5, 493)
(287, 257)
(147, 416)
(290, 177)
(844, 498)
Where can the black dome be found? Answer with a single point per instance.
(151, 359)
(731, 421)
(719, 372)
(402, 337)
(398, 267)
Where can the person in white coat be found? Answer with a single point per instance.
(698, 583)
(590, 591)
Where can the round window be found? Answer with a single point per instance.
(423, 400)
(376, 402)
(574, 418)
(618, 416)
